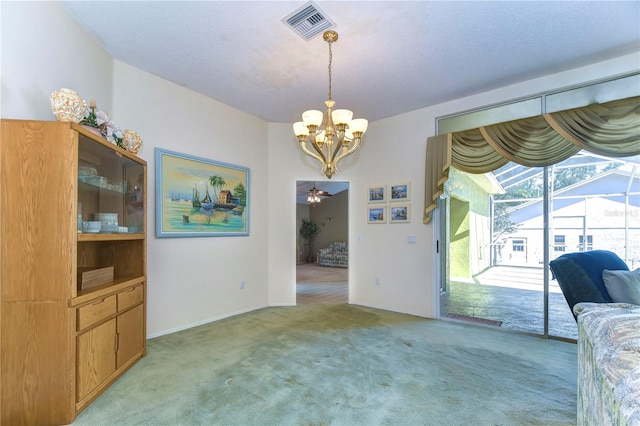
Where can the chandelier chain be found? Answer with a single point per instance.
(330, 61)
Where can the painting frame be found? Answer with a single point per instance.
(377, 194)
(399, 192)
(183, 211)
(376, 214)
(400, 213)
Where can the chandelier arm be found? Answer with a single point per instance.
(318, 147)
(341, 139)
(310, 153)
(348, 151)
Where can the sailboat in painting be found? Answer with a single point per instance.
(206, 202)
(195, 200)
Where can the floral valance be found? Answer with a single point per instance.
(611, 129)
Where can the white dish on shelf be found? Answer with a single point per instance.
(91, 227)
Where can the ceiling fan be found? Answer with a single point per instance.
(315, 194)
(319, 192)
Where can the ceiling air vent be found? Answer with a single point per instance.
(308, 21)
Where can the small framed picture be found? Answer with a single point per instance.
(377, 194)
(377, 214)
(400, 192)
(400, 213)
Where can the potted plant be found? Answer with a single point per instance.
(308, 231)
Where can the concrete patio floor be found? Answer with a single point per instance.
(513, 296)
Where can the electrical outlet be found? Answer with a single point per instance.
(411, 239)
(242, 284)
(377, 280)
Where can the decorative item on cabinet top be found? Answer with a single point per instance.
(131, 141)
(67, 105)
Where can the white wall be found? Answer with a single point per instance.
(43, 50)
(194, 280)
(392, 152)
(191, 280)
(197, 280)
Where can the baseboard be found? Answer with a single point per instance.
(206, 321)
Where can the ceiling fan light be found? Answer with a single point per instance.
(312, 117)
(342, 116)
(300, 129)
(359, 125)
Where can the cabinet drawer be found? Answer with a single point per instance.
(96, 312)
(130, 297)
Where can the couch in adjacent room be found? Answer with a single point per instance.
(335, 255)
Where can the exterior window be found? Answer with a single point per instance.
(558, 243)
(589, 243)
(518, 245)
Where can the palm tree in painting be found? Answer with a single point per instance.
(217, 181)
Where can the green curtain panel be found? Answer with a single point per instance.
(436, 171)
(611, 129)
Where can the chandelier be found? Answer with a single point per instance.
(336, 137)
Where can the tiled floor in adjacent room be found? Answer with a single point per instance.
(321, 284)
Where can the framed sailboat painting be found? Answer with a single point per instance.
(197, 197)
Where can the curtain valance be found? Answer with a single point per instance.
(611, 129)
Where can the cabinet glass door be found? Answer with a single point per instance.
(110, 190)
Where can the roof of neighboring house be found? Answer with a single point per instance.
(612, 185)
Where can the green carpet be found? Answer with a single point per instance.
(343, 365)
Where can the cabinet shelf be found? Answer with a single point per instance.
(110, 237)
(84, 183)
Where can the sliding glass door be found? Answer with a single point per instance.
(502, 228)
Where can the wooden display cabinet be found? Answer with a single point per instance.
(63, 345)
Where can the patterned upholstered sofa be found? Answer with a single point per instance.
(335, 255)
(608, 363)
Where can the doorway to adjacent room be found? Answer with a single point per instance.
(322, 274)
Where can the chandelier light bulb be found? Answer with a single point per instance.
(300, 129)
(358, 125)
(313, 117)
(342, 116)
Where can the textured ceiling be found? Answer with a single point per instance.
(392, 56)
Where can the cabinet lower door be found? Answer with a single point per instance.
(130, 334)
(96, 360)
